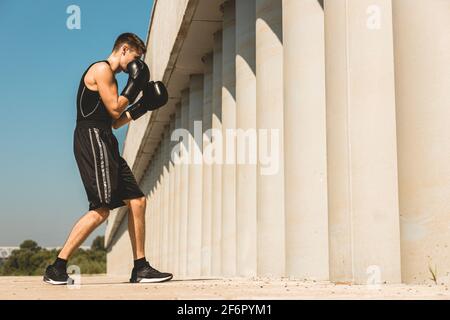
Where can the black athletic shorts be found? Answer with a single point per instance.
(106, 176)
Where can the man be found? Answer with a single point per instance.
(107, 178)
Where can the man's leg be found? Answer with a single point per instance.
(82, 229)
(56, 272)
(136, 226)
(142, 271)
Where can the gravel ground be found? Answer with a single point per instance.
(114, 287)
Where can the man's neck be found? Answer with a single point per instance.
(114, 63)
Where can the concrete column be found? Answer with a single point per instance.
(195, 176)
(162, 203)
(270, 178)
(246, 187)
(163, 208)
(361, 137)
(305, 140)
(145, 187)
(184, 190)
(158, 204)
(149, 215)
(153, 209)
(216, 254)
(151, 222)
(207, 167)
(166, 199)
(171, 222)
(177, 196)
(422, 65)
(229, 146)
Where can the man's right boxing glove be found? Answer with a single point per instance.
(138, 76)
(154, 96)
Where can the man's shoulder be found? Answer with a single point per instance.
(101, 66)
(102, 69)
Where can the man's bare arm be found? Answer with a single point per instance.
(123, 120)
(107, 88)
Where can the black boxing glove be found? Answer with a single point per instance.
(154, 96)
(158, 96)
(138, 76)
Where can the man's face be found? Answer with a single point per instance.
(128, 54)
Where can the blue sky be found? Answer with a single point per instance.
(41, 64)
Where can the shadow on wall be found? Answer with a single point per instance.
(321, 3)
(123, 227)
(157, 166)
(154, 173)
(266, 15)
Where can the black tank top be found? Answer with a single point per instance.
(90, 107)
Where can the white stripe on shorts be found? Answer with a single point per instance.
(102, 164)
(95, 165)
(108, 182)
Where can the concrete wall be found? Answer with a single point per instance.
(120, 256)
(353, 94)
(422, 55)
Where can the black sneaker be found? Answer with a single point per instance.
(147, 274)
(56, 276)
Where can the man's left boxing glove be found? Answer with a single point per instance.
(154, 96)
(138, 76)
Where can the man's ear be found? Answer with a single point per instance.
(125, 49)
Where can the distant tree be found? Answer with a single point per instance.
(30, 245)
(31, 259)
(98, 243)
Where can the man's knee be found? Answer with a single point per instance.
(141, 202)
(101, 214)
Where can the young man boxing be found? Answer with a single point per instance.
(107, 178)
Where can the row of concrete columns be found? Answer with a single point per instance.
(350, 96)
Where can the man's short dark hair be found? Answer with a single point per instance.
(132, 40)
